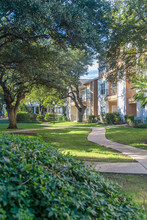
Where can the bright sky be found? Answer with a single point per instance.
(92, 71)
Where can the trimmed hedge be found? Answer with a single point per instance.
(23, 117)
(49, 117)
(40, 118)
(93, 119)
(61, 118)
(113, 118)
(39, 182)
(33, 116)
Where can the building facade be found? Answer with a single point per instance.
(100, 96)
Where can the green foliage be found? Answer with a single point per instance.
(49, 117)
(129, 119)
(113, 118)
(61, 118)
(23, 117)
(93, 119)
(140, 125)
(6, 114)
(39, 182)
(40, 118)
(141, 86)
(33, 116)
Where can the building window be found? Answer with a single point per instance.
(103, 89)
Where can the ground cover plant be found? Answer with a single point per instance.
(74, 141)
(135, 185)
(39, 182)
(136, 137)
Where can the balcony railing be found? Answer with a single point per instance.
(111, 91)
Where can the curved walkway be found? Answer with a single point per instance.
(98, 136)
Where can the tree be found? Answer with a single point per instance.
(44, 96)
(128, 37)
(2, 102)
(27, 58)
(78, 62)
(141, 86)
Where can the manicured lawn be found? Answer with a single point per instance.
(74, 140)
(135, 185)
(76, 124)
(4, 125)
(136, 137)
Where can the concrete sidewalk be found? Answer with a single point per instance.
(98, 136)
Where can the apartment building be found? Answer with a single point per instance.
(100, 96)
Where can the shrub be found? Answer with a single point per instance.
(129, 119)
(117, 118)
(23, 117)
(110, 119)
(40, 118)
(113, 118)
(136, 125)
(33, 116)
(93, 119)
(61, 118)
(49, 117)
(39, 182)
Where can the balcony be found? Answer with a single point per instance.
(111, 94)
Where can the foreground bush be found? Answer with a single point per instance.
(38, 182)
(93, 119)
(49, 117)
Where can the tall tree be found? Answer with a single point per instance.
(25, 56)
(78, 62)
(128, 39)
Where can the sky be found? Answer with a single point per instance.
(92, 71)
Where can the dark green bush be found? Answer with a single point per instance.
(61, 118)
(129, 119)
(113, 118)
(39, 182)
(40, 118)
(23, 117)
(49, 117)
(33, 116)
(136, 125)
(110, 119)
(117, 118)
(93, 119)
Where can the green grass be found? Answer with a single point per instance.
(4, 126)
(135, 185)
(136, 137)
(76, 124)
(74, 141)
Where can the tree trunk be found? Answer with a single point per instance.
(40, 109)
(12, 113)
(81, 114)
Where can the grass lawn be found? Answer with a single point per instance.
(135, 185)
(74, 140)
(76, 124)
(4, 125)
(136, 137)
